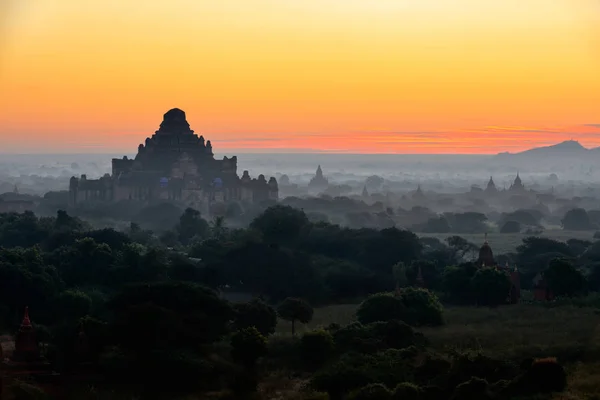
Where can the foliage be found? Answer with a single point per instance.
(491, 286)
(165, 315)
(191, 225)
(577, 219)
(407, 391)
(564, 279)
(399, 271)
(511, 227)
(294, 309)
(544, 375)
(473, 389)
(21, 390)
(456, 283)
(380, 307)
(73, 304)
(248, 345)
(255, 313)
(412, 305)
(280, 223)
(421, 307)
(317, 346)
(374, 391)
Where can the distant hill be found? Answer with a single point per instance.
(568, 156)
(566, 148)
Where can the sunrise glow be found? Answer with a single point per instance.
(357, 76)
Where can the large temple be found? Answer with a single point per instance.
(175, 164)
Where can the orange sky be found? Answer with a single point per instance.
(384, 76)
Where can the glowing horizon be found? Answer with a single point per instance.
(353, 76)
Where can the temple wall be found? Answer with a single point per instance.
(122, 193)
(246, 194)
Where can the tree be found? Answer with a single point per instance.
(168, 315)
(114, 239)
(280, 223)
(374, 391)
(468, 222)
(380, 307)
(421, 307)
(460, 246)
(86, 262)
(491, 287)
(437, 225)
(191, 224)
(317, 346)
(294, 309)
(248, 345)
(218, 230)
(456, 283)
(413, 305)
(564, 279)
(577, 219)
(73, 304)
(400, 276)
(511, 227)
(255, 313)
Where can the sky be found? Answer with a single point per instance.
(350, 76)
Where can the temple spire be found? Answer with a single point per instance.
(26, 320)
(365, 193)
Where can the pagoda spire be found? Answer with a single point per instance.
(26, 320)
(26, 345)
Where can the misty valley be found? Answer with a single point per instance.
(167, 275)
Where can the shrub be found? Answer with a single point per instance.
(491, 287)
(340, 379)
(407, 391)
(356, 337)
(414, 306)
(248, 345)
(473, 389)
(293, 309)
(564, 279)
(421, 307)
(380, 307)
(354, 371)
(317, 346)
(24, 391)
(374, 391)
(256, 313)
(544, 375)
(468, 365)
(73, 304)
(316, 396)
(393, 334)
(456, 283)
(376, 336)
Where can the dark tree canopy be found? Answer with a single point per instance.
(577, 219)
(280, 223)
(294, 309)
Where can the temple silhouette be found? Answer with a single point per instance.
(177, 165)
